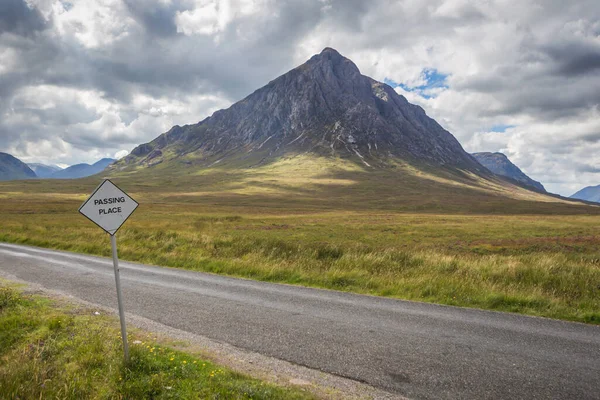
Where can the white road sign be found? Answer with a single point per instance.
(108, 207)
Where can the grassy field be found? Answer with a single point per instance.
(412, 235)
(49, 349)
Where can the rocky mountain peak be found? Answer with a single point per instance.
(499, 164)
(324, 106)
(330, 64)
(337, 72)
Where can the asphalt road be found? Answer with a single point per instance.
(421, 351)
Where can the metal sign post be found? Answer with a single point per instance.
(109, 207)
(113, 242)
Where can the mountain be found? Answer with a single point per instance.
(12, 168)
(499, 164)
(324, 136)
(324, 107)
(43, 170)
(590, 193)
(82, 170)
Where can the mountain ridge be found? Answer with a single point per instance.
(588, 193)
(11, 168)
(324, 106)
(500, 164)
(43, 170)
(82, 170)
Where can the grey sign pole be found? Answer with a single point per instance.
(113, 242)
(109, 207)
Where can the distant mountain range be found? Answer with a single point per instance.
(590, 193)
(82, 170)
(11, 168)
(43, 170)
(499, 164)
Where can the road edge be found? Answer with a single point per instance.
(280, 372)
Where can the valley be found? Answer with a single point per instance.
(308, 221)
(273, 200)
(325, 177)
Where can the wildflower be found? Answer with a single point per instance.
(171, 359)
(185, 362)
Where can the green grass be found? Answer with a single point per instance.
(53, 350)
(407, 234)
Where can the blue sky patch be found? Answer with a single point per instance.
(501, 128)
(67, 5)
(434, 79)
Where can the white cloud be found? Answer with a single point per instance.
(209, 17)
(93, 23)
(96, 77)
(120, 154)
(85, 126)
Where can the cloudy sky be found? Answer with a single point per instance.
(85, 79)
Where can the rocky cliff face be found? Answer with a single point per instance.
(12, 168)
(499, 164)
(324, 106)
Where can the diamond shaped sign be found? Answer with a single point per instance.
(108, 207)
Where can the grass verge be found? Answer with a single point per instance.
(52, 350)
(538, 265)
(383, 233)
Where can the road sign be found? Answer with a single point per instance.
(108, 207)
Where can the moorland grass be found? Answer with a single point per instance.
(546, 266)
(57, 351)
(381, 233)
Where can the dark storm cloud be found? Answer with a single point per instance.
(195, 64)
(592, 136)
(548, 82)
(575, 58)
(60, 115)
(89, 139)
(158, 18)
(548, 102)
(18, 18)
(583, 167)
